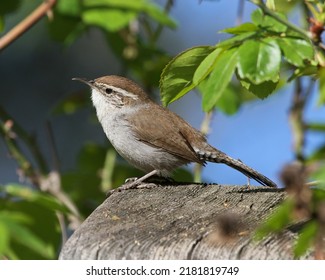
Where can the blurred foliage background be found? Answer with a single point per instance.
(50, 138)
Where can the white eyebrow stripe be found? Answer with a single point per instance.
(122, 91)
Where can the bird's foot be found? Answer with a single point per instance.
(132, 183)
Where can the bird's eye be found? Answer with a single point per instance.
(108, 90)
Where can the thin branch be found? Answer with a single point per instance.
(156, 34)
(296, 120)
(26, 23)
(54, 150)
(274, 15)
(240, 12)
(24, 164)
(28, 140)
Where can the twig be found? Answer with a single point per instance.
(29, 141)
(240, 12)
(160, 27)
(16, 153)
(54, 150)
(274, 15)
(296, 120)
(26, 23)
(299, 102)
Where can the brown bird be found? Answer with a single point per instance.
(151, 137)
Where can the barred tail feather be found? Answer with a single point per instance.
(248, 171)
(217, 156)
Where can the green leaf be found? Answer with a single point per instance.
(318, 154)
(259, 61)
(304, 71)
(305, 238)
(23, 235)
(319, 175)
(267, 22)
(257, 17)
(270, 4)
(176, 78)
(151, 9)
(321, 98)
(285, 6)
(277, 220)
(316, 126)
(240, 29)
(87, 172)
(236, 40)
(296, 51)
(4, 238)
(230, 101)
(36, 197)
(16, 224)
(109, 19)
(69, 8)
(262, 90)
(206, 66)
(2, 24)
(219, 78)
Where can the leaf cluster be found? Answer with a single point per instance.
(254, 55)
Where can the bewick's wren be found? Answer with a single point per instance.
(151, 137)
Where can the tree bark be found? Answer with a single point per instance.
(191, 221)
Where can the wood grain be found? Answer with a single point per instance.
(181, 222)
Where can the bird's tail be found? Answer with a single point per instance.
(220, 157)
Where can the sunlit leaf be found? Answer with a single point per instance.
(296, 51)
(133, 7)
(4, 238)
(206, 66)
(35, 196)
(176, 78)
(259, 61)
(240, 29)
(108, 19)
(236, 40)
(21, 234)
(219, 78)
(267, 22)
(285, 6)
(70, 8)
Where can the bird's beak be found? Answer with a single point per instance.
(85, 81)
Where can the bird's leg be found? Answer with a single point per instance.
(134, 184)
(248, 179)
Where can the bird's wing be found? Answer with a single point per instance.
(164, 130)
